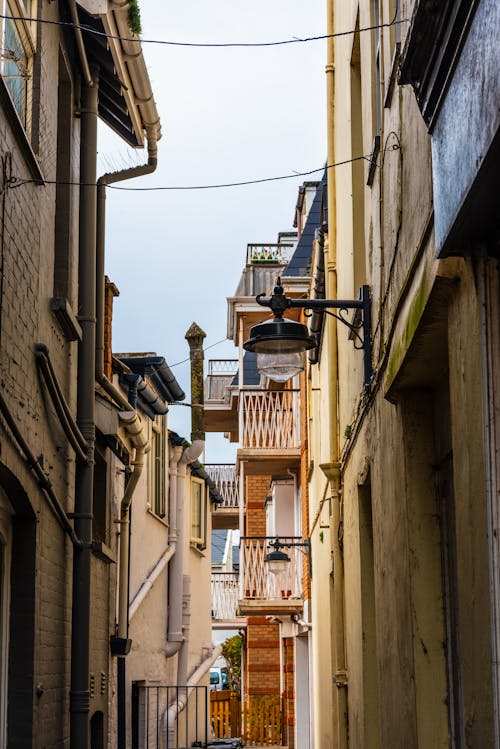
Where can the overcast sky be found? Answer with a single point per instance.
(227, 115)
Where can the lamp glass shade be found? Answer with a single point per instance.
(281, 367)
(279, 336)
(277, 561)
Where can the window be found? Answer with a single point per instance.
(198, 513)
(158, 469)
(16, 53)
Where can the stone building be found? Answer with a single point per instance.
(55, 577)
(404, 466)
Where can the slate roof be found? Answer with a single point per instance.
(300, 262)
(219, 539)
(250, 373)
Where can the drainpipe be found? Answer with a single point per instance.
(175, 638)
(120, 645)
(102, 182)
(182, 661)
(80, 635)
(176, 567)
(332, 469)
(170, 715)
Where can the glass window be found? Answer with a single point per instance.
(16, 54)
(198, 512)
(158, 469)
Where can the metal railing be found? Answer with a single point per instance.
(157, 725)
(226, 480)
(225, 590)
(270, 419)
(220, 375)
(263, 254)
(257, 582)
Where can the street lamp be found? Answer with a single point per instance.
(278, 560)
(280, 344)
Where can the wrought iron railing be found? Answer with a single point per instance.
(264, 254)
(221, 373)
(226, 480)
(270, 419)
(256, 580)
(169, 717)
(225, 591)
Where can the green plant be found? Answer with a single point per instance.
(134, 17)
(231, 650)
(348, 432)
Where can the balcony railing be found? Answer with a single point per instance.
(269, 254)
(221, 373)
(257, 582)
(225, 589)
(226, 480)
(270, 419)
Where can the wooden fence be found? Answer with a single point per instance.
(225, 714)
(263, 724)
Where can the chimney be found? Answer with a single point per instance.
(195, 336)
(110, 291)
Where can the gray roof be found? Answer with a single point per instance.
(300, 262)
(219, 539)
(251, 375)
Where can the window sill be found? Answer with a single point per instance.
(200, 550)
(62, 311)
(103, 552)
(161, 520)
(19, 134)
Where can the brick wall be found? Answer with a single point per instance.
(256, 489)
(289, 692)
(262, 663)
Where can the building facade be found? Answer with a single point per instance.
(406, 468)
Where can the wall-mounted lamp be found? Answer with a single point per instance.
(278, 560)
(280, 344)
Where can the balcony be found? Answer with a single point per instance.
(269, 254)
(269, 430)
(261, 591)
(220, 406)
(226, 480)
(225, 589)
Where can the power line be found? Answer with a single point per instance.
(19, 182)
(206, 45)
(217, 343)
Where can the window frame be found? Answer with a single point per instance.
(24, 30)
(157, 504)
(199, 541)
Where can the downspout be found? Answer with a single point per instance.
(176, 567)
(80, 634)
(80, 45)
(332, 469)
(120, 645)
(194, 336)
(108, 179)
(170, 715)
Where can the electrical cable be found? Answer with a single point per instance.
(205, 45)
(205, 349)
(18, 182)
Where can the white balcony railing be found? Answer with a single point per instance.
(269, 254)
(221, 373)
(257, 582)
(226, 480)
(225, 589)
(270, 419)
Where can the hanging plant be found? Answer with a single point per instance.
(134, 17)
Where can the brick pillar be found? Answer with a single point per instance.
(289, 692)
(110, 291)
